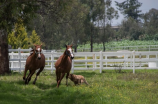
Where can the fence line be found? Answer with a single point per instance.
(131, 48)
(91, 60)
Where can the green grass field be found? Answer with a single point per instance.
(108, 87)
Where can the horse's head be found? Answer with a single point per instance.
(69, 51)
(38, 51)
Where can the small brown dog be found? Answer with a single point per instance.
(77, 79)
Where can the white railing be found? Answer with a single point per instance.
(91, 60)
(112, 48)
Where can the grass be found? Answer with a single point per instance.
(108, 87)
(138, 45)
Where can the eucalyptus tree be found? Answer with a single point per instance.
(151, 22)
(106, 33)
(130, 29)
(51, 20)
(75, 27)
(97, 9)
(130, 8)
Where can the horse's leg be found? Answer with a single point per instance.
(26, 80)
(29, 77)
(57, 76)
(41, 69)
(67, 78)
(25, 71)
(63, 74)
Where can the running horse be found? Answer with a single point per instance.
(35, 61)
(63, 64)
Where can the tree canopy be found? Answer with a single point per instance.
(130, 8)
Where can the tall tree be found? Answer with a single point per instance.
(97, 9)
(151, 22)
(130, 8)
(75, 26)
(106, 33)
(130, 29)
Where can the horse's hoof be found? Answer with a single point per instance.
(24, 78)
(26, 82)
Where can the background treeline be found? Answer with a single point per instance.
(79, 22)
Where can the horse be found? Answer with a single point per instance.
(63, 64)
(35, 61)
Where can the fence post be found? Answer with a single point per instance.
(12, 57)
(101, 61)
(52, 58)
(86, 59)
(94, 63)
(19, 52)
(133, 62)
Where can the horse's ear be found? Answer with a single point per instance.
(34, 45)
(71, 45)
(41, 44)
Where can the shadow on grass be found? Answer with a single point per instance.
(44, 94)
(68, 95)
(45, 86)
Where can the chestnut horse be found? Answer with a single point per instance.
(63, 64)
(35, 61)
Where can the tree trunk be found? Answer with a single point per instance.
(91, 39)
(103, 47)
(4, 59)
(75, 49)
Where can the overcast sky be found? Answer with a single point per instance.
(146, 6)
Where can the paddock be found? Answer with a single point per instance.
(119, 60)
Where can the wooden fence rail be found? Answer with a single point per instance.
(91, 60)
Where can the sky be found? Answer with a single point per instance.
(146, 6)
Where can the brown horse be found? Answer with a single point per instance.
(63, 64)
(35, 61)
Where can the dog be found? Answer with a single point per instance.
(77, 79)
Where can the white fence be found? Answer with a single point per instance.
(91, 60)
(131, 48)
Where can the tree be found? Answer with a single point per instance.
(110, 12)
(130, 8)
(75, 26)
(150, 22)
(18, 37)
(51, 19)
(34, 39)
(130, 29)
(97, 9)
(106, 33)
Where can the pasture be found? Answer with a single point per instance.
(108, 87)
